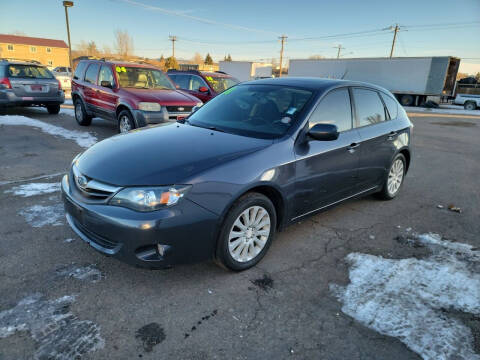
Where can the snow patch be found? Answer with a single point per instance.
(33, 189)
(40, 215)
(59, 334)
(67, 111)
(88, 273)
(83, 139)
(443, 109)
(409, 298)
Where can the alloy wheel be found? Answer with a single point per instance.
(249, 234)
(125, 125)
(395, 177)
(78, 112)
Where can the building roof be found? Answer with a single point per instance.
(26, 40)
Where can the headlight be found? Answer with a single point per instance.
(149, 106)
(149, 198)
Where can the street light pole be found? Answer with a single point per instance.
(68, 4)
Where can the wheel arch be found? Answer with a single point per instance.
(406, 153)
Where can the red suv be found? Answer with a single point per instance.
(202, 84)
(131, 95)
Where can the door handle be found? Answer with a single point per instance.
(351, 148)
(392, 135)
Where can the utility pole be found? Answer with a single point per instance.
(173, 39)
(339, 47)
(68, 4)
(282, 38)
(395, 31)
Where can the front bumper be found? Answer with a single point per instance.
(186, 231)
(144, 118)
(8, 98)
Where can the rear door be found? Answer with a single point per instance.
(327, 171)
(376, 134)
(32, 82)
(90, 87)
(106, 96)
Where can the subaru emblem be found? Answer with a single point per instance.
(82, 181)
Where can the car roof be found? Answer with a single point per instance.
(20, 62)
(313, 83)
(200, 72)
(121, 63)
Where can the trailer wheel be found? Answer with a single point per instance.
(469, 105)
(406, 100)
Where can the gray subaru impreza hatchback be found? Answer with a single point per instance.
(220, 184)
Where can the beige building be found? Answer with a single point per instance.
(49, 52)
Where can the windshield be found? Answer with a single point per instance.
(220, 84)
(263, 111)
(142, 78)
(29, 71)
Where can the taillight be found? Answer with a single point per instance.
(59, 85)
(6, 82)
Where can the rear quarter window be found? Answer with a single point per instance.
(391, 104)
(80, 70)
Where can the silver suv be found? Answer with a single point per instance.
(29, 84)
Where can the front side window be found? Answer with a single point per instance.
(181, 80)
(334, 109)
(33, 49)
(10, 47)
(106, 74)
(91, 74)
(391, 105)
(29, 71)
(220, 84)
(369, 108)
(262, 111)
(142, 78)
(196, 83)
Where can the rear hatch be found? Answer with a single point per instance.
(32, 81)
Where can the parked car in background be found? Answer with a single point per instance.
(202, 84)
(131, 95)
(25, 83)
(469, 101)
(63, 70)
(261, 156)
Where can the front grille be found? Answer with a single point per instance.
(180, 109)
(100, 240)
(91, 188)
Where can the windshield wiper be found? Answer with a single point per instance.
(215, 129)
(186, 121)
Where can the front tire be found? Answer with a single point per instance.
(81, 114)
(395, 177)
(125, 122)
(53, 109)
(246, 233)
(469, 105)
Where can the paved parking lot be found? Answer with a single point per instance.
(61, 299)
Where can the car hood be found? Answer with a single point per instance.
(162, 96)
(163, 155)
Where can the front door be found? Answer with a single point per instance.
(107, 98)
(327, 171)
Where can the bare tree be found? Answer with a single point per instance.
(123, 43)
(197, 59)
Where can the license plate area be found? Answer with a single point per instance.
(36, 88)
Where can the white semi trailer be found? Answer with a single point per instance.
(411, 79)
(246, 70)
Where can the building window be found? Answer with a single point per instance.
(33, 49)
(50, 62)
(49, 50)
(10, 47)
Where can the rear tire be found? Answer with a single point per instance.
(246, 233)
(394, 179)
(53, 109)
(469, 105)
(81, 114)
(406, 100)
(125, 122)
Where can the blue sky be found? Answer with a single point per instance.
(249, 29)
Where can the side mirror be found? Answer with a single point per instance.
(203, 89)
(107, 84)
(324, 132)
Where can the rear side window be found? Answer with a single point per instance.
(391, 105)
(28, 71)
(181, 80)
(79, 70)
(334, 109)
(369, 108)
(91, 74)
